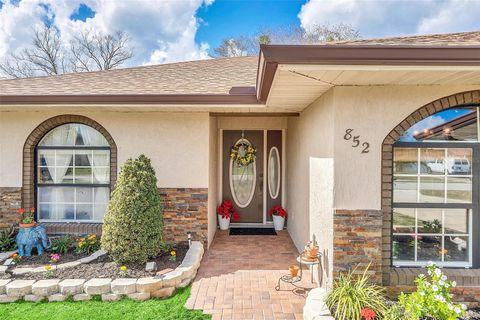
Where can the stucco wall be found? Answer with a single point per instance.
(371, 112)
(212, 180)
(310, 173)
(177, 143)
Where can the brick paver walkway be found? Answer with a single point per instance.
(237, 278)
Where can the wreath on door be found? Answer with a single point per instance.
(243, 153)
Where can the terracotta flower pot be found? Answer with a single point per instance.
(27, 225)
(293, 270)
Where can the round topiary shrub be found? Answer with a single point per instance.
(133, 224)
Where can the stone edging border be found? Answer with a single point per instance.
(110, 289)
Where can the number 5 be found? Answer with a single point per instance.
(356, 141)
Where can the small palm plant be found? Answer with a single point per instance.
(351, 294)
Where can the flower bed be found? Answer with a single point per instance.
(110, 289)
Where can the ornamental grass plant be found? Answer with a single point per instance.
(353, 294)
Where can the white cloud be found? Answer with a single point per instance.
(394, 17)
(160, 31)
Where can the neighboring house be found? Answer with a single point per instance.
(326, 121)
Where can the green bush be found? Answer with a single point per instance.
(352, 293)
(133, 224)
(7, 239)
(432, 298)
(62, 244)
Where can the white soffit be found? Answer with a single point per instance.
(296, 86)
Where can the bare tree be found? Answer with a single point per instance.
(291, 34)
(97, 51)
(48, 55)
(45, 56)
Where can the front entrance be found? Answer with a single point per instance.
(255, 187)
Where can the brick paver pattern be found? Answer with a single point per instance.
(238, 274)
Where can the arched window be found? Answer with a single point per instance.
(72, 174)
(436, 180)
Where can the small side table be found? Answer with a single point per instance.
(310, 264)
(293, 280)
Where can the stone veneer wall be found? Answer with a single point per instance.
(185, 210)
(357, 241)
(10, 201)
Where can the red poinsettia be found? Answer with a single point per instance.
(277, 211)
(368, 314)
(226, 210)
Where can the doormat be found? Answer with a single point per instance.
(252, 232)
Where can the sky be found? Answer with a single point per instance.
(166, 31)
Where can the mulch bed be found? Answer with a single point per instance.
(103, 267)
(36, 261)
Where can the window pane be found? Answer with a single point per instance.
(73, 134)
(405, 189)
(84, 195)
(403, 220)
(84, 211)
(432, 161)
(65, 211)
(82, 158)
(46, 194)
(456, 248)
(403, 248)
(46, 158)
(459, 161)
(64, 175)
(459, 190)
(432, 189)
(102, 195)
(101, 175)
(64, 194)
(405, 161)
(44, 175)
(101, 158)
(429, 220)
(429, 248)
(456, 221)
(64, 158)
(46, 211)
(83, 175)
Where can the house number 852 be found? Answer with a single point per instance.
(356, 141)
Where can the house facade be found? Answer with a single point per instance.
(370, 145)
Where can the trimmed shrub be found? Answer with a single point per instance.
(133, 224)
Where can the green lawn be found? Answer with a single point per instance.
(172, 308)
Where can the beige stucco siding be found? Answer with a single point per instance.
(372, 112)
(177, 143)
(212, 180)
(310, 172)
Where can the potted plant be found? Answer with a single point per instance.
(27, 220)
(278, 214)
(311, 249)
(225, 212)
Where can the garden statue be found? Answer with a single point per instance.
(27, 238)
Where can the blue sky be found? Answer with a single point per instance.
(163, 31)
(231, 18)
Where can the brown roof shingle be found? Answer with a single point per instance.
(212, 76)
(458, 38)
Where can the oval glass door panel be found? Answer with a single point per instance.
(274, 173)
(242, 182)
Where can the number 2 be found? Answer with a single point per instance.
(366, 145)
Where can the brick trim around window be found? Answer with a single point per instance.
(28, 182)
(459, 99)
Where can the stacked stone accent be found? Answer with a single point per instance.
(459, 99)
(357, 241)
(10, 201)
(185, 210)
(162, 286)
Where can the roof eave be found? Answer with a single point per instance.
(405, 55)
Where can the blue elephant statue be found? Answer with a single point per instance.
(27, 238)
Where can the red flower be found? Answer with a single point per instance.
(21, 211)
(226, 210)
(368, 314)
(277, 211)
(32, 210)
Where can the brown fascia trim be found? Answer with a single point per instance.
(413, 55)
(129, 99)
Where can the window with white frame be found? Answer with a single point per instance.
(72, 174)
(435, 191)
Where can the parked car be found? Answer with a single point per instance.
(451, 165)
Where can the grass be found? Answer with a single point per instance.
(169, 309)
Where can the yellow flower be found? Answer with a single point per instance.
(48, 267)
(92, 237)
(81, 239)
(123, 268)
(173, 253)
